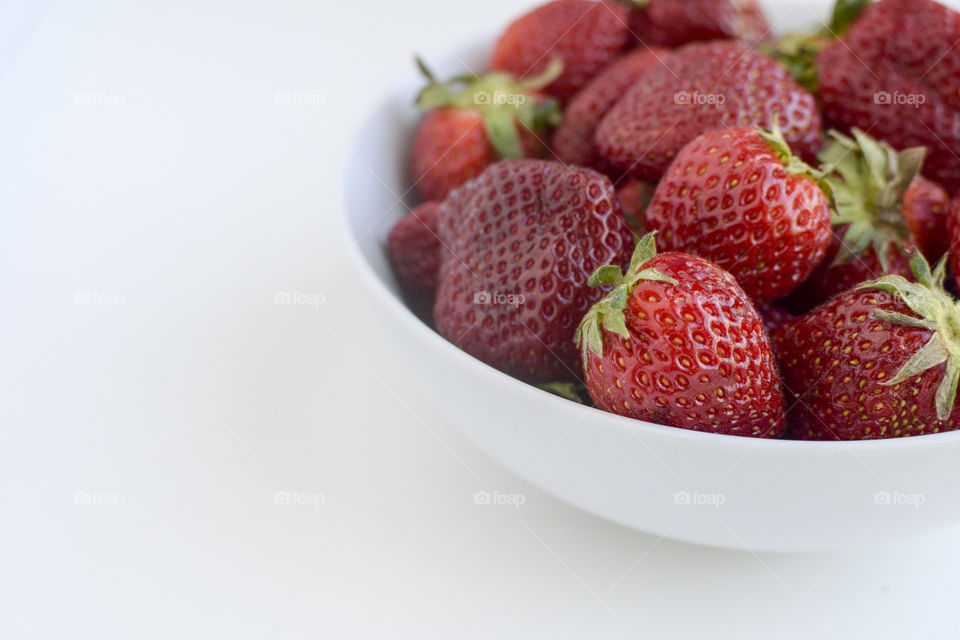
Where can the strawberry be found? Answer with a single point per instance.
(926, 206)
(894, 73)
(573, 141)
(739, 198)
(677, 342)
(522, 240)
(879, 361)
(671, 23)
(868, 180)
(586, 35)
(414, 247)
(704, 86)
(471, 122)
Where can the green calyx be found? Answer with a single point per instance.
(938, 312)
(868, 180)
(798, 51)
(608, 312)
(502, 100)
(794, 165)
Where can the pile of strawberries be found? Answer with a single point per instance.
(797, 191)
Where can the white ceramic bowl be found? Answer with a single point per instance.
(708, 489)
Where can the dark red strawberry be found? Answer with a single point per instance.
(926, 206)
(868, 180)
(573, 142)
(415, 249)
(671, 23)
(521, 242)
(586, 35)
(879, 361)
(739, 198)
(894, 73)
(701, 87)
(677, 342)
(472, 122)
(634, 197)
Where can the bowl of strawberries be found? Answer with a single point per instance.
(683, 271)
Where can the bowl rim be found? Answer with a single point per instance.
(397, 96)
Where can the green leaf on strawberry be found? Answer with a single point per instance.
(608, 313)
(868, 180)
(936, 311)
(502, 100)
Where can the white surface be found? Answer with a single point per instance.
(197, 398)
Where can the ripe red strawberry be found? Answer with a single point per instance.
(415, 249)
(879, 361)
(671, 23)
(894, 73)
(573, 141)
(704, 86)
(926, 206)
(522, 240)
(472, 122)
(868, 180)
(739, 198)
(586, 35)
(677, 342)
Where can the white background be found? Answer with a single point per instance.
(155, 196)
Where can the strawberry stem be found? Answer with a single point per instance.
(608, 312)
(793, 164)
